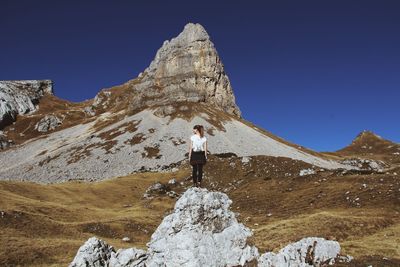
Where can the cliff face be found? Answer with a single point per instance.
(21, 97)
(185, 68)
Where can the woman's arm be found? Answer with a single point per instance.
(190, 147)
(205, 148)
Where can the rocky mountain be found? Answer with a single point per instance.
(368, 144)
(186, 68)
(143, 124)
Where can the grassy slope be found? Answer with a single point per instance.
(46, 224)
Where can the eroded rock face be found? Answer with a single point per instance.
(186, 68)
(21, 97)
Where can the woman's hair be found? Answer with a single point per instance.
(199, 128)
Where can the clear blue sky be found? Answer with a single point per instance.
(315, 73)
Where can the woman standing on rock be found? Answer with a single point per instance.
(197, 154)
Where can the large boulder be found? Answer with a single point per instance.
(201, 231)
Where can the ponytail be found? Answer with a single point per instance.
(199, 128)
(201, 131)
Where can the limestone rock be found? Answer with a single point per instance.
(306, 172)
(155, 189)
(89, 111)
(21, 97)
(186, 68)
(309, 251)
(94, 253)
(201, 231)
(130, 257)
(48, 123)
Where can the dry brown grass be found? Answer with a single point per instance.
(46, 224)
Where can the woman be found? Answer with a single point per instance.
(197, 154)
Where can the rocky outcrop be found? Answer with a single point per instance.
(202, 231)
(48, 123)
(21, 97)
(309, 251)
(366, 164)
(185, 68)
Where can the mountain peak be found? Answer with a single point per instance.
(367, 134)
(368, 142)
(185, 68)
(193, 32)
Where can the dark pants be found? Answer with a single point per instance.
(197, 173)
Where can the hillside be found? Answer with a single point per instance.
(43, 225)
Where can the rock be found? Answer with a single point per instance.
(164, 111)
(21, 97)
(94, 253)
(172, 181)
(128, 258)
(245, 159)
(366, 164)
(172, 194)
(185, 68)
(48, 123)
(201, 231)
(89, 111)
(306, 172)
(309, 251)
(156, 188)
(4, 141)
(126, 239)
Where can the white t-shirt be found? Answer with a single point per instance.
(197, 142)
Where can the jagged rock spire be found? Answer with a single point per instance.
(186, 68)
